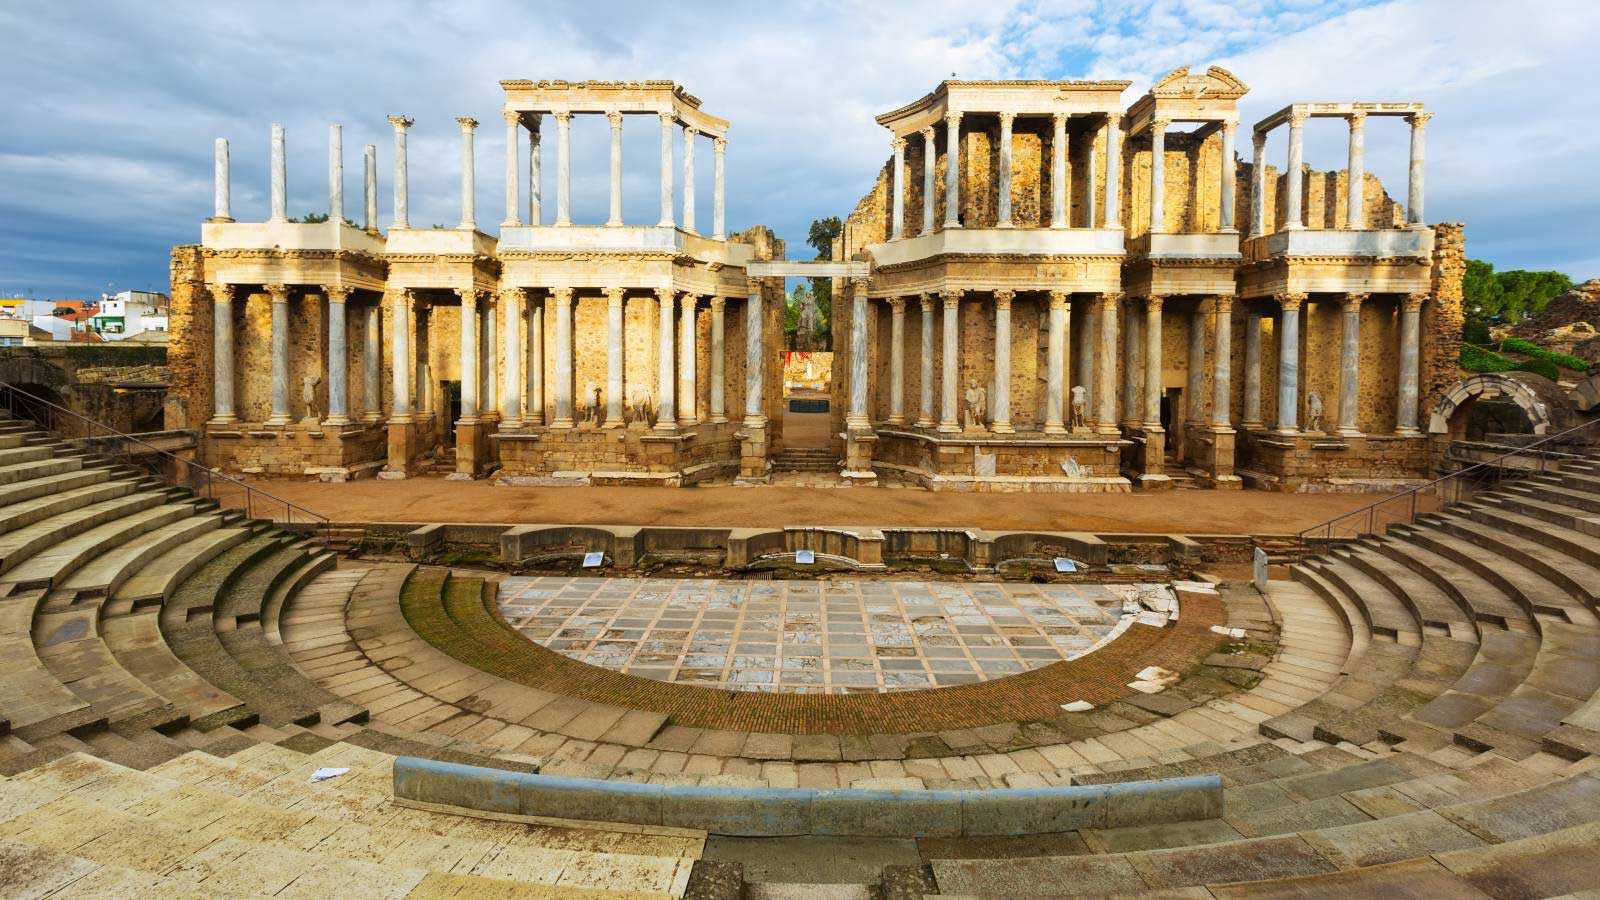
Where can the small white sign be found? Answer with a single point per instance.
(594, 560)
(1065, 565)
(805, 557)
(324, 774)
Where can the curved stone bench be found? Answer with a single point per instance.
(779, 812)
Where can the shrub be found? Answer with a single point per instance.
(1530, 349)
(1539, 367)
(1481, 360)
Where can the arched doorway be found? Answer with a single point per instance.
(1483, 406)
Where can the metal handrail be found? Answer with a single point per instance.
(1454, 481)
(202, 481)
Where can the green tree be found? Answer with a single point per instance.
(821, 236)
(1497, 298)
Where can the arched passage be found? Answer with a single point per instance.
(1458, 415)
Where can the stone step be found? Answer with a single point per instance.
(18, 546)
(11, 456)
(19, 491)
(50, 567)
(37, 509)
(155, 581)
(104, 575)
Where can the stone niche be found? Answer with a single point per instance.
(1001, 464)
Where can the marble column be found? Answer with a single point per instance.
(1107, 308)
(1222, 364)
(280, 354)
(689, 134)
(338, 364)
(369, 191)
(1003, 217)
(1258, 185)
(1195, 380)
(688, 386)
(401, 186)
(511, 358)
(1092, 161)
(1289, 363)
(1132, 345)
(222, 362)
(1000, 387)
(755, 359)
(897, 360)
(615, 219)
(1355, 197)
(1295, 215)
(1414, 215)
(666, 172)
(1056, 364)
(952, 172)
(929, 154)
(925, 385)
(372, 366)
(562, 298)
(535, 416)
(1252, 370)
(719, 406)
(1410, 360)
(513, 121)
(401, 358)
(470, 368)
(666, 408)
(1350, 365)
(335, 174)
(1228, 177)
(1152, 362)
(420, 320)
(1113, 171)
(222, 188)
(897, 219)
(535, 151)
(614, 363)
(1158, 175)
(489, 357)
(949, 418)
(858, 416)
(719, 189)
(1081, 339)
(280, 176)
(563, 168)
(1059, 188)
(469, 215)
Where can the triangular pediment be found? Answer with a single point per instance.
(1215, 82)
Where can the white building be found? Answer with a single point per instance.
(130, 312)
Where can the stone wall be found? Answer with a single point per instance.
(1443, 318)
(188, 402)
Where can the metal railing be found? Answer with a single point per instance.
(102, 441)
(1404, 507)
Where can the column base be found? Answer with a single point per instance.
(1110, 428)
(337, 420)
(1002, 428)
(754, 422)
(510, 424)
(1055, 428)
(897, 420)
(925, 423)
(1252, 425)
(372, 418)
(660, 427)
(222, 420)
(221, 219)
(1348, 432)
(1408, 432)
(278, 420)
(952, 226)
(561, 423)
(949, 427)
(1286, 432)
(858, 424)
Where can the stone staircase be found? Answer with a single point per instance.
(805, 459)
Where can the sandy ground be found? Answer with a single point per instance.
(805, 429)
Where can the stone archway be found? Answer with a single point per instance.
(1540, 399)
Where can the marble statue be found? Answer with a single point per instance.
(1080, 403)
(308, 395)
(977, 406)
(1313, 411)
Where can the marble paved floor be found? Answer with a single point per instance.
(814, 636)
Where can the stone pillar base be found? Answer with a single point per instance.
(755, 466)
(1215, 455)
(1146, 461)
(474, 450)
(858, 456)
(403, 449)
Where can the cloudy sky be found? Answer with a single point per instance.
(110, 109)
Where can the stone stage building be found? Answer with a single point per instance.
(1077, 314)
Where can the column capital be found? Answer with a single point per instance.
(1419, 119)
(689, 132)
(1413, 302)
(513, 117)
(689, 298)
(511, 293)
(469, 296)
(1357, 120)
(951, 298)
(1059, 120)
(561, 294)
(927, 133)
(1160, 126)
(1352, 302)
(859, 284)
(663, 295)
(718, 303)
(897, 304)
(952, 118)
(1060, 299)
(401, 123)
(1223, 303)
(467, 123)
(927, 302)
(1153, 303)
(1297, 119)
(614, 296)
(1109, 298)
(614, 116)
(1003, 298)
(1007, 118)
(336, 293)
(279, 292)
(719, 143)
(1290, 301)
(1229, 126)
(897, 144)
(220, 293)
(1258, 140)
(562, 116)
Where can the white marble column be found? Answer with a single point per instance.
(1081, 340)
(1092, 161)
(280, 176)
(1107, 308)
(688, 383)
(1132, 346)
(1350, 365)
(949, 418)
(562, 298)
(952, 172)
(336, 174)
(754, 359)
(401, 355)
(615, 219)
(1295, 214)
(1355, 197)
(372, 366)
(1195, 368)
(1152, 362)
(719, 403)
(470, 368)
(666, 172)
(897, 360)
(897, 218)
(563, 168)
(1414, 214)
(535, 152)
(281, 414)
(1000, 404)
(489, 357)
(1113, 171)
(666, 408)
(420, 320)
(1158, 175)
(222, 186)
(511, 358)
(1228, 176)
(1289, 363)
(689, 134)
(858, 416)
(1003, 217)
(1410, 364)
(1056, 364)
(1258, 185)
(929, 154)
(222, 362)
(1252, 370)
(1222, 364)
(369, 193)
(469, 215)
(338, 362)
(1059, 187)
(925, 385)
(614, 363)
(719, 189)
(513, 121)
(401, 181)
(535, 415)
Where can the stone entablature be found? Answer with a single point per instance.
(659, 97)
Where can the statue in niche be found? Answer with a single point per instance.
(591, 404)
(1314, 412)
(1080, 405)
(308, 396)
(638, 410)
(806, 328)
(977, 406)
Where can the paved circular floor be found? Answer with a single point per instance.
(816, 636)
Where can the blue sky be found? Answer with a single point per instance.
(111, 108)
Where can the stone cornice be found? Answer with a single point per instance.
(1030, 258)
(587, 256)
